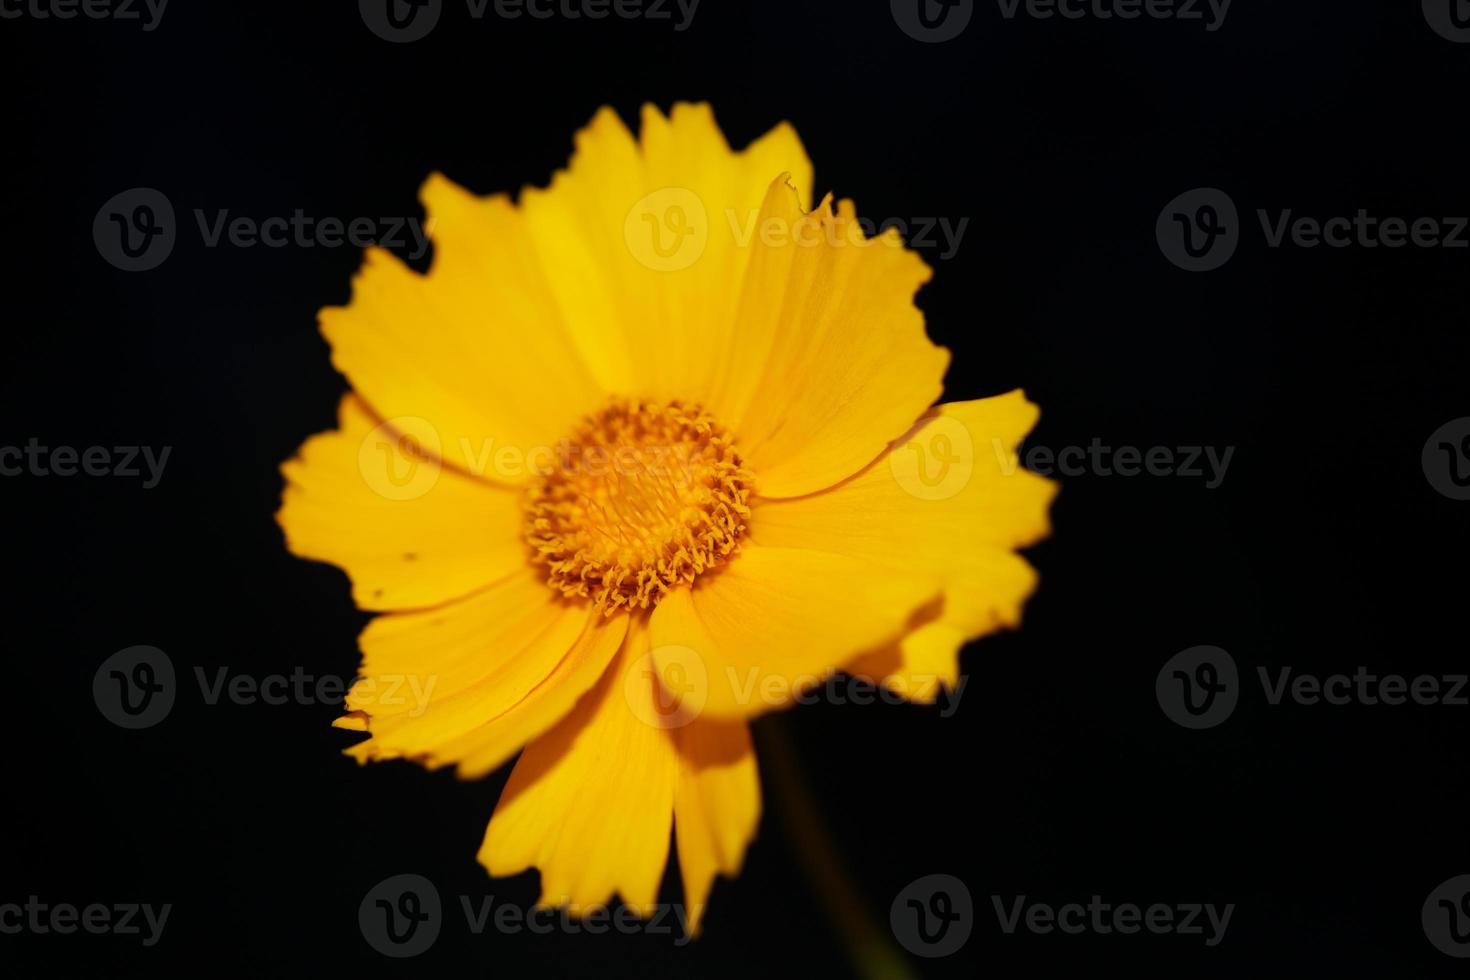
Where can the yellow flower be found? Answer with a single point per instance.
(641, 457)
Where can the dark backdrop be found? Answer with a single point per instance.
(1324, 548)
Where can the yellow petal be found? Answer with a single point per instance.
(949, 498)
(473, 347)
(639, 240)
(717, 806)
(589, 803)
(775, 622)
(487, 747)
(409, 532)
(430, 678)
(832, 360)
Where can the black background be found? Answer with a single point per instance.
(1325, 548)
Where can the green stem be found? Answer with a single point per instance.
(868, 944)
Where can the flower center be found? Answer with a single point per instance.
(641, 498)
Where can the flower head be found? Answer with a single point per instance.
(642, 456)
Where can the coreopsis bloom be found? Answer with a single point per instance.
(642, 456)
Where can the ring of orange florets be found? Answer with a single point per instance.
(642, 497)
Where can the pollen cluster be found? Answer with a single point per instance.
(642, 497)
